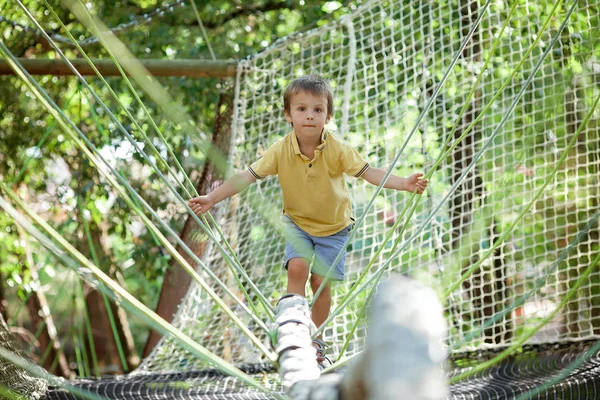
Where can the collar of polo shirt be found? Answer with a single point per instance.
(320, 147)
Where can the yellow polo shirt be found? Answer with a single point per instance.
(314, 191)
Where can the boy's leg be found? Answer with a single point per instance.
(298, 269)
(320, 312)
(322, 304)
(298, 252)
(326, 250)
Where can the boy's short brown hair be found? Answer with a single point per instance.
(312, 84)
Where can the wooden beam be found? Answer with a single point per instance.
(188, 68)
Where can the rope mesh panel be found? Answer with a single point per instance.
(202, 385)
(529, 370)
(507, 380)
(384, 61)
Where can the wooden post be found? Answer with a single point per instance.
(187, 68)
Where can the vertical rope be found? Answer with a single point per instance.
(350, 72)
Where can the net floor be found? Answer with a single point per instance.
(512, 377)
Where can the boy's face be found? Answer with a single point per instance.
(308, 114)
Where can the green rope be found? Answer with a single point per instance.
(90, 336)
(212, 53)
(79, 357)
(359, 318)
(511, 349)
(75, 259)
(379, 273)
(126, 111)
(202, 222)
(437, 90)
(38, 372)
(6, 393)
(73, 131)
(111, 318)
(219, 161)
(563, 374)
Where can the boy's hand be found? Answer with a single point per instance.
(200, 204)
(415, 182)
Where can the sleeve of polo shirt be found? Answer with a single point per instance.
(353, 162)
(266, 165)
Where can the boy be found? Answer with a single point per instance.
(310, 163)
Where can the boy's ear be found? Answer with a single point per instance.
(288, 117)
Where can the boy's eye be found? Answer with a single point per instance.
(302, 108)
(319, 110)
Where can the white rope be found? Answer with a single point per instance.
(350, 72)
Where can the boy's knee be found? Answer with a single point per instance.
(317, 280)
(298, 269)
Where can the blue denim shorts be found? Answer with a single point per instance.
(300, 244)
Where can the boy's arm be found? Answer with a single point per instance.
(411, 184)
(230, 187)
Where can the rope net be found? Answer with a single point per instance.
(522, 228)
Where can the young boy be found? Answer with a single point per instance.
(310, 163)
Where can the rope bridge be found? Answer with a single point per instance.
(496, 101)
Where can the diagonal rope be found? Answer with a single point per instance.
(163, 100)
(377, 275)
(180, 199)
(149, 142)
(128, 113)
(429, 173)
(528, 334)
(212, 53)
(523, 298)
(109, 311)
(537, 285)
(74, 258)
(73, 131)
(38, 372)
(563, 374)
(399, 153)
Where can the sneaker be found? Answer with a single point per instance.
(322, 360)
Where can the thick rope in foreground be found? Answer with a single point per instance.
(402, 360)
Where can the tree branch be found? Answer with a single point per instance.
(270, 5)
